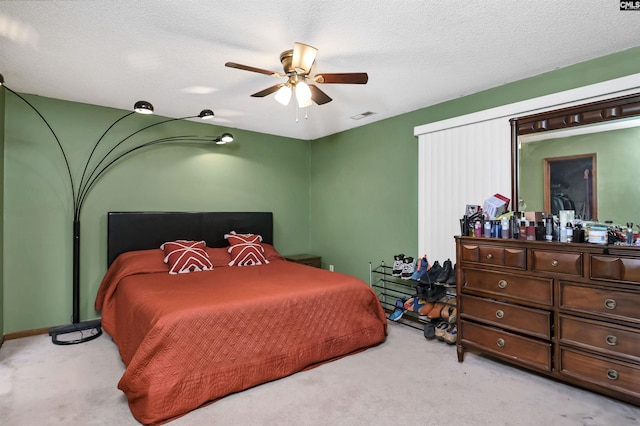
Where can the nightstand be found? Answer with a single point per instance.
(305, 259)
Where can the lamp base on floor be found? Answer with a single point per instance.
(76, 327)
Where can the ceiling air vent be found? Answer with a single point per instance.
(363, 115)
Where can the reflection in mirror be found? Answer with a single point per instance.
(599, 173)
(600, 139)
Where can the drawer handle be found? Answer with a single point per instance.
(611, 340)
(612, 374)
(499, 314)
(610, 304)
(500, 343)
(502, 284)
(489, 256)
(554, 263)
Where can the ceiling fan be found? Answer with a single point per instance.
(297, 64)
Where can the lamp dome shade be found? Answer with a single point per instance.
(206, 114)
(143, 107)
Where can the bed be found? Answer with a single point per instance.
(187, 339)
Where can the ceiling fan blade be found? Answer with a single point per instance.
(267, 91)
(342, 78)
(303, 57)
(318, 96)
(252, 69)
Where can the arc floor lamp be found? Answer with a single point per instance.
(93, 169)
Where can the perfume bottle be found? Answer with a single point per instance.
(523, 229)
(531, 231)
(505, 227)
(515, 228)
(477, 229)
(487, 229)
(548, 228)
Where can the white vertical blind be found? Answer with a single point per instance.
(459, 166)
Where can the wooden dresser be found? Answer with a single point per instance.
(571, 311)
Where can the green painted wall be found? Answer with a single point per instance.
(350, 197)
(617, 168)
(364, 181)
(256, 173)
(2, 96)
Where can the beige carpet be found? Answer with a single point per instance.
(405, 381)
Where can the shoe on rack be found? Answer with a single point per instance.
(448, 311)
(446, 271)
(425, 309)
(408, 268)
(453, 316)
(441, 329)
(436, 312)
(430, 276)
(423, 267)
(451, 335)
(398, 261)
(398, 311)
(431, 293)
(451, 281)
(414, 304)
(430, 330)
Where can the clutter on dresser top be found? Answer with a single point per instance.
(494, 220)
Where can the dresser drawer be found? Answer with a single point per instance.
(534, 322)
(617, 375)
(601, 337)
(611, 303)
(615, 268)
(557, 262)
(495, 255)
(522, 350)
(501, 285)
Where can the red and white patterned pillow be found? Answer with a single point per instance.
(245, 249)
(186, 256)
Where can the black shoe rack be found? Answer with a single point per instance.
(389, 288)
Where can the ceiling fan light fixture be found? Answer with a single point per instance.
(283, 95)
(143, 107)
(303, 94)
(303, 57)
(297, 64)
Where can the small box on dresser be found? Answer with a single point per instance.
(570, 311)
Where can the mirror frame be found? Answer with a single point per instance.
(579, 115)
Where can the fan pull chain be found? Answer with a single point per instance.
(306, 113)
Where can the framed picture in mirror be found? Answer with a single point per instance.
(570, 184)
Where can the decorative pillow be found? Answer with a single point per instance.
(186, 256)
(245, 249)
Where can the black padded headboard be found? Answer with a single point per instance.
(129, 231)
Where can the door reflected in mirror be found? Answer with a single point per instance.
(569, 184)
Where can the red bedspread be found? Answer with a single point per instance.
(191, 338)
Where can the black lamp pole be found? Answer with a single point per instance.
(87, 182)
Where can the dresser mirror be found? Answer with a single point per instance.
(585, 156)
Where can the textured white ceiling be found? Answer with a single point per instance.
(417, 52)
